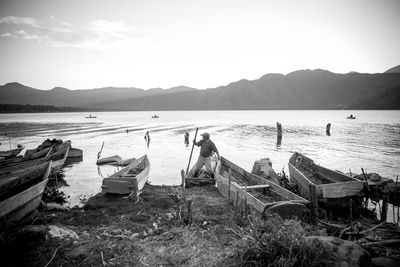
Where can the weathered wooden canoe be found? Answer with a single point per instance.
(25, 158)
(11, 153)
(129, 180)
(58, 159)
(329, 184)
(261, 195)
(202, 178)
(21, 192)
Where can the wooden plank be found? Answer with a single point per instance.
(339, 190)
(300, 180)
(248, 187)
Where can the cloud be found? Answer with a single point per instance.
(96, 34)
(20, 21)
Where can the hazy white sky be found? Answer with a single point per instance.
(205, 43)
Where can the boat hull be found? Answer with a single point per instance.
(124, 183)
(19, 205)
(333, 187)
(259, 194)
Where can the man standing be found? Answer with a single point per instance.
(206, 151)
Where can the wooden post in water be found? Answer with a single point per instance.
(314, 204)
(385, 205)
(328, 129)
(229, 186)
(279, 130)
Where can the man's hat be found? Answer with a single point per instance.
(206, 135)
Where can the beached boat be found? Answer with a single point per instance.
(202, 177)
(129, 180)
(11, 153)
(331, 186)
(10, 162)
(58, 159)
(261, 195)
(21, 192)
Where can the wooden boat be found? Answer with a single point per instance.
(351, 118)
(11, 153)
(202, 178)
(57, 158)
(21, 192)
(261, 195)
(129, 180)
(155, 117)
(10, 162)
(90, 117)
(330, 185)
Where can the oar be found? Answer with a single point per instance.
(101, 149)
(191, 152)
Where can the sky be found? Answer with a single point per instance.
(81, 44)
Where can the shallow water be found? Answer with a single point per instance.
(371, 141)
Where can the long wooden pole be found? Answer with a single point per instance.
(191, 152)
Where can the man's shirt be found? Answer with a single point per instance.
(207, 147)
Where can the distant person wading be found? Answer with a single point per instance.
(206, 151)
(187, 139)
(147, 138)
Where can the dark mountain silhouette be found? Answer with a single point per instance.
(16, 93)
(393, 70)
(389, 99)
(304, 89)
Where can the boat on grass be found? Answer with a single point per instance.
(21, 192)
(11, 153)
(260, 195)
(129, 180)
(333, 189)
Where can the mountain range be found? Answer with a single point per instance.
(303, 89)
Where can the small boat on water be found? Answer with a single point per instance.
(351, 117)
(90, 117)
(11, 153)
(115, 161)
(155, 116)
(261, 195)
(129, 180)
(21, 192)
(332, 188)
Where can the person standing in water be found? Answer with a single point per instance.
(206, 151)
(187, 139)
(147, 138)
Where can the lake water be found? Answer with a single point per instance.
(371, 141)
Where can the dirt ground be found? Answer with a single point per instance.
(116, 231)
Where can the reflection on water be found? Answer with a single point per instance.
(371, 141)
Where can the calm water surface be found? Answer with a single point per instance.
(371, 141)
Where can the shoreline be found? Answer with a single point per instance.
(154, 230)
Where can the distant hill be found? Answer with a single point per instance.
(16, 93)
(393, 70)
(303, 89)
(389, 99)
(13, 108)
